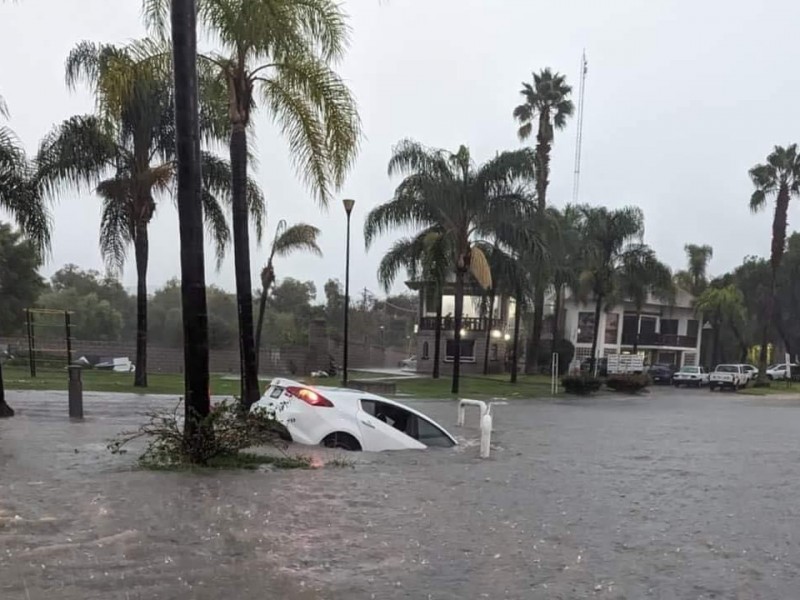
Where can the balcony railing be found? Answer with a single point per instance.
(659, 339)
(467, 324)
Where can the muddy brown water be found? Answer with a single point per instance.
(676, 494)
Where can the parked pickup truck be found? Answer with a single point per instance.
(728, 376)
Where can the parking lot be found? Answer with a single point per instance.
(671, 494)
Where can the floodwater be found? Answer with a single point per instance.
(675, 494)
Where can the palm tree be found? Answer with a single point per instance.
(286, 241)
(463, 202)
(20, 198)
(127, 153)
(281, 50)
(779, 177)
(722, 305)
(546, 104)
(640, 276)
(695, 278)
(609, 238)
(563, 258)
(425, 258)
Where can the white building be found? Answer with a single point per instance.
(667, 332)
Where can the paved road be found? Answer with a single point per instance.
(671, 495)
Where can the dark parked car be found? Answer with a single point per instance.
(661, 373)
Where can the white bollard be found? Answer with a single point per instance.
(462, 409)
(486, 435)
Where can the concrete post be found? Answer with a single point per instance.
(75, 392)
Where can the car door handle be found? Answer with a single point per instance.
(368, 424)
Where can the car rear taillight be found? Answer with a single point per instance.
(309, 396)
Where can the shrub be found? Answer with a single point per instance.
(223, 434)
(580, 384)
(627, 383)
(565, 351)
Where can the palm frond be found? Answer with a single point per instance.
(216, 225)
(297, 238)
(479, 267)
(116, 222)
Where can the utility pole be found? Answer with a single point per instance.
(579, 138)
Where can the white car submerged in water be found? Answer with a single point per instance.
(350, 419)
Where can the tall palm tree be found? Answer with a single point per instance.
(126, 151)
(695, 278)
(779, 177)
(197, 404)
(463, 202)
(547, 105)
(425, 258)
(640, 276)
(287, 240)
(280, 51)
(20, 198)
(610, 237)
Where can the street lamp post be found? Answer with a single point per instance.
(348, 207)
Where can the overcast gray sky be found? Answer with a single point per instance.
(682, 99)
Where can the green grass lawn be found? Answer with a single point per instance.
(528, 386)
(19, 378)
(775, 389)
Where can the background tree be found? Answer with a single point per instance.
(286, 241)
(610, 237)
(425, 259)
(547, 106)
(20, 283)
(464, 203)
(127, 151)
(284, 51)
(723, 305)
(779, 177)
(695, 278)
(640, 276)
(18, 196)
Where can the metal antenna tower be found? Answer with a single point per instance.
(579, 138)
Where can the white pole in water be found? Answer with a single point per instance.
(554, 369)
(486, 434)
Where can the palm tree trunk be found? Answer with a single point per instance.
(638, 327)
(5, 410)
(597, 308)
(437, 334)
(241, 250)
(190, 217)
(488, 333)
(262, 308)
(556, 319)
(141, 244)
(517, 319)
(459, 313)
(532, 353)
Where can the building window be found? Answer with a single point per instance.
(430, 299)
(425, 351)
(692, 327)
(585, 328)
(669, 326)
(467, 351)
(612, 328)
(494, 352)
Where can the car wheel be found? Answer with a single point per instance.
(342, 441)
(711, 387)
(676, 384)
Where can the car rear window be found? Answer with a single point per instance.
(727, 369)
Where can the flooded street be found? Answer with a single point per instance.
(675, 494)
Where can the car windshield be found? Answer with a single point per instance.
(727, 369)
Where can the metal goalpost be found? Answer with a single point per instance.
(49, 336)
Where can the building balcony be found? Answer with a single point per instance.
(659, 340)
(467, 324)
